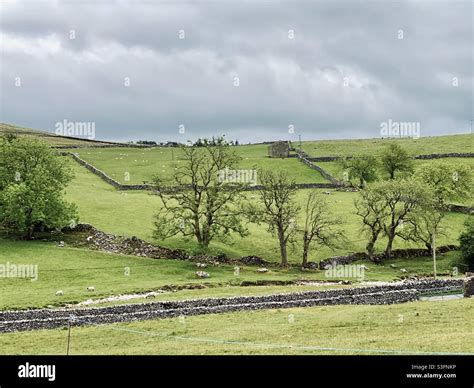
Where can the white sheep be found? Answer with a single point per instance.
(91, 288)
(59, 293)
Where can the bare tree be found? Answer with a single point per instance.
(202, 203)
(278, 208)
(320, 226)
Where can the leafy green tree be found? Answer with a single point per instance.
(424, 224)
(447, 182)
(385, 206)
(205, 205)
(466, 240)
(363, 168)
(395, 159)
(32, 180)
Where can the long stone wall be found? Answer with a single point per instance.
(396, 254)
(107, 178)
(399, 292)
(461, 209)
(427, 156)
(303, 157)
(448, 155)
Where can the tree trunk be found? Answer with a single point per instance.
(305, 250)
(388, 250)
(284, 256)
(371, 245)
(429, 247)
(29, 232)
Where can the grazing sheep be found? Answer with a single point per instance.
(403, 270)
(201, 265)
(59, 293)
(364, 267)
(202, 274)
(393, 266)
(262, 270)
(91, 288)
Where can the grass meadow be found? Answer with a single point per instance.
(407, 328)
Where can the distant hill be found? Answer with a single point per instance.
(51, 138)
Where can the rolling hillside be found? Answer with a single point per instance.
(51, 138)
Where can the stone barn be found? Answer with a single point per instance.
(280, 149)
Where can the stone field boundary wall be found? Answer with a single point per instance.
(400, 292)
(427, 156)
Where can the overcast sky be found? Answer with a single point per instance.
(330, 69)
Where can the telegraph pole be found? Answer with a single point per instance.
(434, 253)
(299, 137)
(70, 320)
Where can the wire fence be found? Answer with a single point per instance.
(269, 346)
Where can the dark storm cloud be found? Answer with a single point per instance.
(344, 72)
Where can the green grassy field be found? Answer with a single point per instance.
(393, 329)
(423, 145)
(74, 269)
(135, 166)
(45, 136)
(317, 330)
(131, 214)
(337, 171)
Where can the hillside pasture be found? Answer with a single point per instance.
(422, 145)
(136, 166)
(326, 330)
(131, 214)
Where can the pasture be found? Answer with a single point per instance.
(406, 328)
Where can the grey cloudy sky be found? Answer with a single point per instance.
(349, 66)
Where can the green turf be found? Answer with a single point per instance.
(131, 214)
(423, 145)
(336, 170)
(45, 136)
(394, 329)
(136, 166)
(72, 270)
